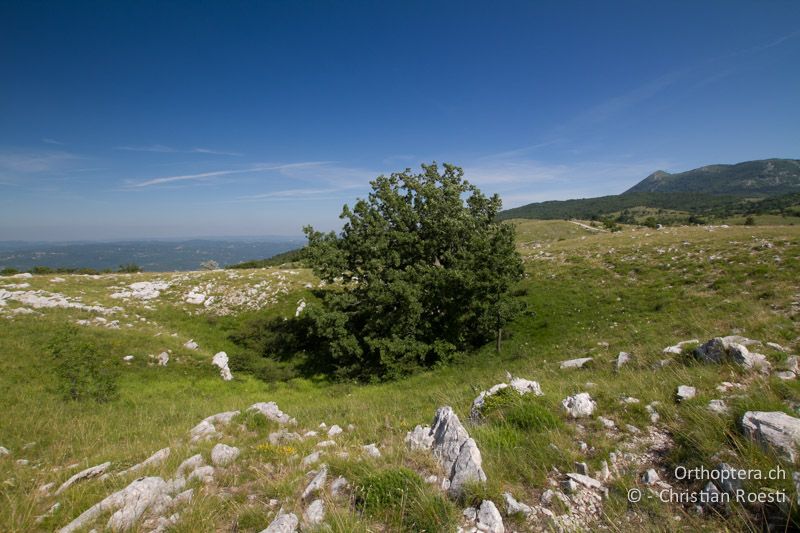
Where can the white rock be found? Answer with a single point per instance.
(622, 359)
(650, 477)
(283, 523)
(301, 305)
(190, 345)
(207, 428)
(89, 473)
(128, 358)
(678, 348)
(334, 430)
(189, 465)
(515, 507)
(317, 483)
(223, 455)
(326, 444)
(272, 412)
(576, 363)
(338, 486)
(195, 298)
(156, 459)
(371, 450)
(4, 451)
(607, 422)
(786, 375)
(143, 290)
(520, 385)
(163, 359)
(489, 519)
(776, 346)
(220, 360)
(579, 406)
(773, 429)
(310, 459)
(204, 474)
(314, 513)
(686, 392)
(456, 451)
(419, 438)
(717, 406)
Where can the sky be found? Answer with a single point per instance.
(123, 120)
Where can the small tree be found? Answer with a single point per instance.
(129, 268)
(424, 272)
(82, 372)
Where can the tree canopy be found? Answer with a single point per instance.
(420, 272)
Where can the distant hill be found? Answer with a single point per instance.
(768, 177)
(753, 187)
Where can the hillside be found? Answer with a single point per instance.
(768, 177)
(595, 294)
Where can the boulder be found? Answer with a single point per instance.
(732, 348)
(576, 363)
(775, 430)
(514, 507)
(579, 406)
(793, 364)
(334, 430)
(372, 450)
(739, 354)
(223, 455)
(586, 481)
(283, 523)
(456, 451)
(677, 349)
(220, 360)
(272, 412)
(89, 473)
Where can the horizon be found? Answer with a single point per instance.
(169, 122)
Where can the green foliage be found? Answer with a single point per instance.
(9, 272)
(292, 256)
(401, 497)
(82, 372)
(129, 268)
(750, 221)
(422, 272)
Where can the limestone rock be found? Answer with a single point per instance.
(314, 513)
(718, 406)
(223, 455)
(272, 412)
(190, 465)
(419, 438)
(204, 474)
(678, 348)
(220, 360)
(317, 483)
(622, 359)
(372, 450)
(514, 507)
(334, 430)
(338, 486)
(586, 481)
(686, 392)
(283, 523)
(456, 451)
(310, 459)
(4, 450)
(731, 348)
(650, 477)
(89, 473)
(489, 519)
(774, 430)
(579, 406)
(283, 436)
(519, 385)
(163, 359)
(576, 363)
(156, 459)
(207, 428)
(190, 345)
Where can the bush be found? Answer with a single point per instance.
(750, 221)
(9, 272)
(82, 372)
(129, 268)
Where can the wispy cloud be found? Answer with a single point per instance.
(204, 176)
(162, 149)
(293, 193)
(30, 162)
(48, 140)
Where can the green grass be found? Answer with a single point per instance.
(638, 290)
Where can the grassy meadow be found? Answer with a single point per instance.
(593, 293)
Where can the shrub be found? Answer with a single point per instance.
(129, 268)
(83, 374)
(9, 272)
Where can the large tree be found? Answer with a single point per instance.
(421, 271)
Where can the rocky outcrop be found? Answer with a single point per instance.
(223, 455)
(731, 349)
(519, 385)
(685, 392)
(283, 523)
(272, 412)
(419, 438)
(485, 518)
(207, 428)
(456, 451)
(677, 349)
(314, 513)
(775, 430)
(576, 363)
(156, 459)
(89, 473)
(317, 483)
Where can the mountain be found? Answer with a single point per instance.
(768, 177)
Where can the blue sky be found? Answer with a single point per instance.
(161, 119)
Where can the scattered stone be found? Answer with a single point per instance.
(338, 486)
(156, 459)
(678, 348)
(773, 429)
(580, 405)
(604, 474)
(315, 513)
(742, 356)
(143, 290)
(282, 436)
(89, 473)
(793, 364)
(586, 481)
(163, 359)
(576, 363)
(650, 477)
(632, 429)
(272, 412)
(622, 359)
(310, 434)
(520, 385)
(283, 523)
(419, 438)
(685, 392)
(371, 450)
(220, 360)
(726, 386)
(128, 358)
(786, 375)
(334, 430)
(651, 410)
(301, 305)
(50, 512)
(4, 450)
(23, 462)
(732, 348)
(718, 406)
(190, 345)
(488, 518)
(204, 474)
(582, 468)
(776, 346)
(207, 428)
(326, 444)
(607, 422)
(223, 455)
(190, 464)
(310, 459)
(456, 451)
(317, 483)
